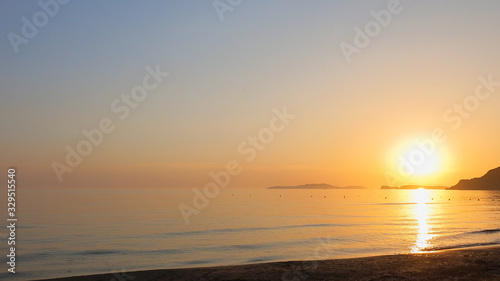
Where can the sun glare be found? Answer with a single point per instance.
(418, 161)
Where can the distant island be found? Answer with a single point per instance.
(316, 186)
(490, 181)
(415, 187)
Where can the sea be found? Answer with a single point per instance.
(68, 232)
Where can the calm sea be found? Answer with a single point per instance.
(77, 232)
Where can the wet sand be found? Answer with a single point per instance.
(463, 264)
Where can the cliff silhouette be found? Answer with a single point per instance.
(490, 181)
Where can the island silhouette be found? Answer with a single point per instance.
(489, 181)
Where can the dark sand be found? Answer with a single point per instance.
(464, 264)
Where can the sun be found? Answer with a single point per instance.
(418, 160)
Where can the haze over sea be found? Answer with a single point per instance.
(77, 232)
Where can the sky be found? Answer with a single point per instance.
(232, 65)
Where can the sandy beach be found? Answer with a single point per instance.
(463, 264)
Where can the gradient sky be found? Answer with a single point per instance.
(226, 77)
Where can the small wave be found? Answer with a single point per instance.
(460, 246)
(475, 232)
(163, 251)
(98, 252)
(229, 230)
(35, 256)
(256, 246)
(486, 231)
(202, 261)
(264, 259)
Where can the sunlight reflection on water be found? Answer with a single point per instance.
(422, 209)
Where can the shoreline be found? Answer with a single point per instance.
(475, 263)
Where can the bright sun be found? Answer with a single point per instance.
(418, 160)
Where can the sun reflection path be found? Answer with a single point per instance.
(421, 214)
